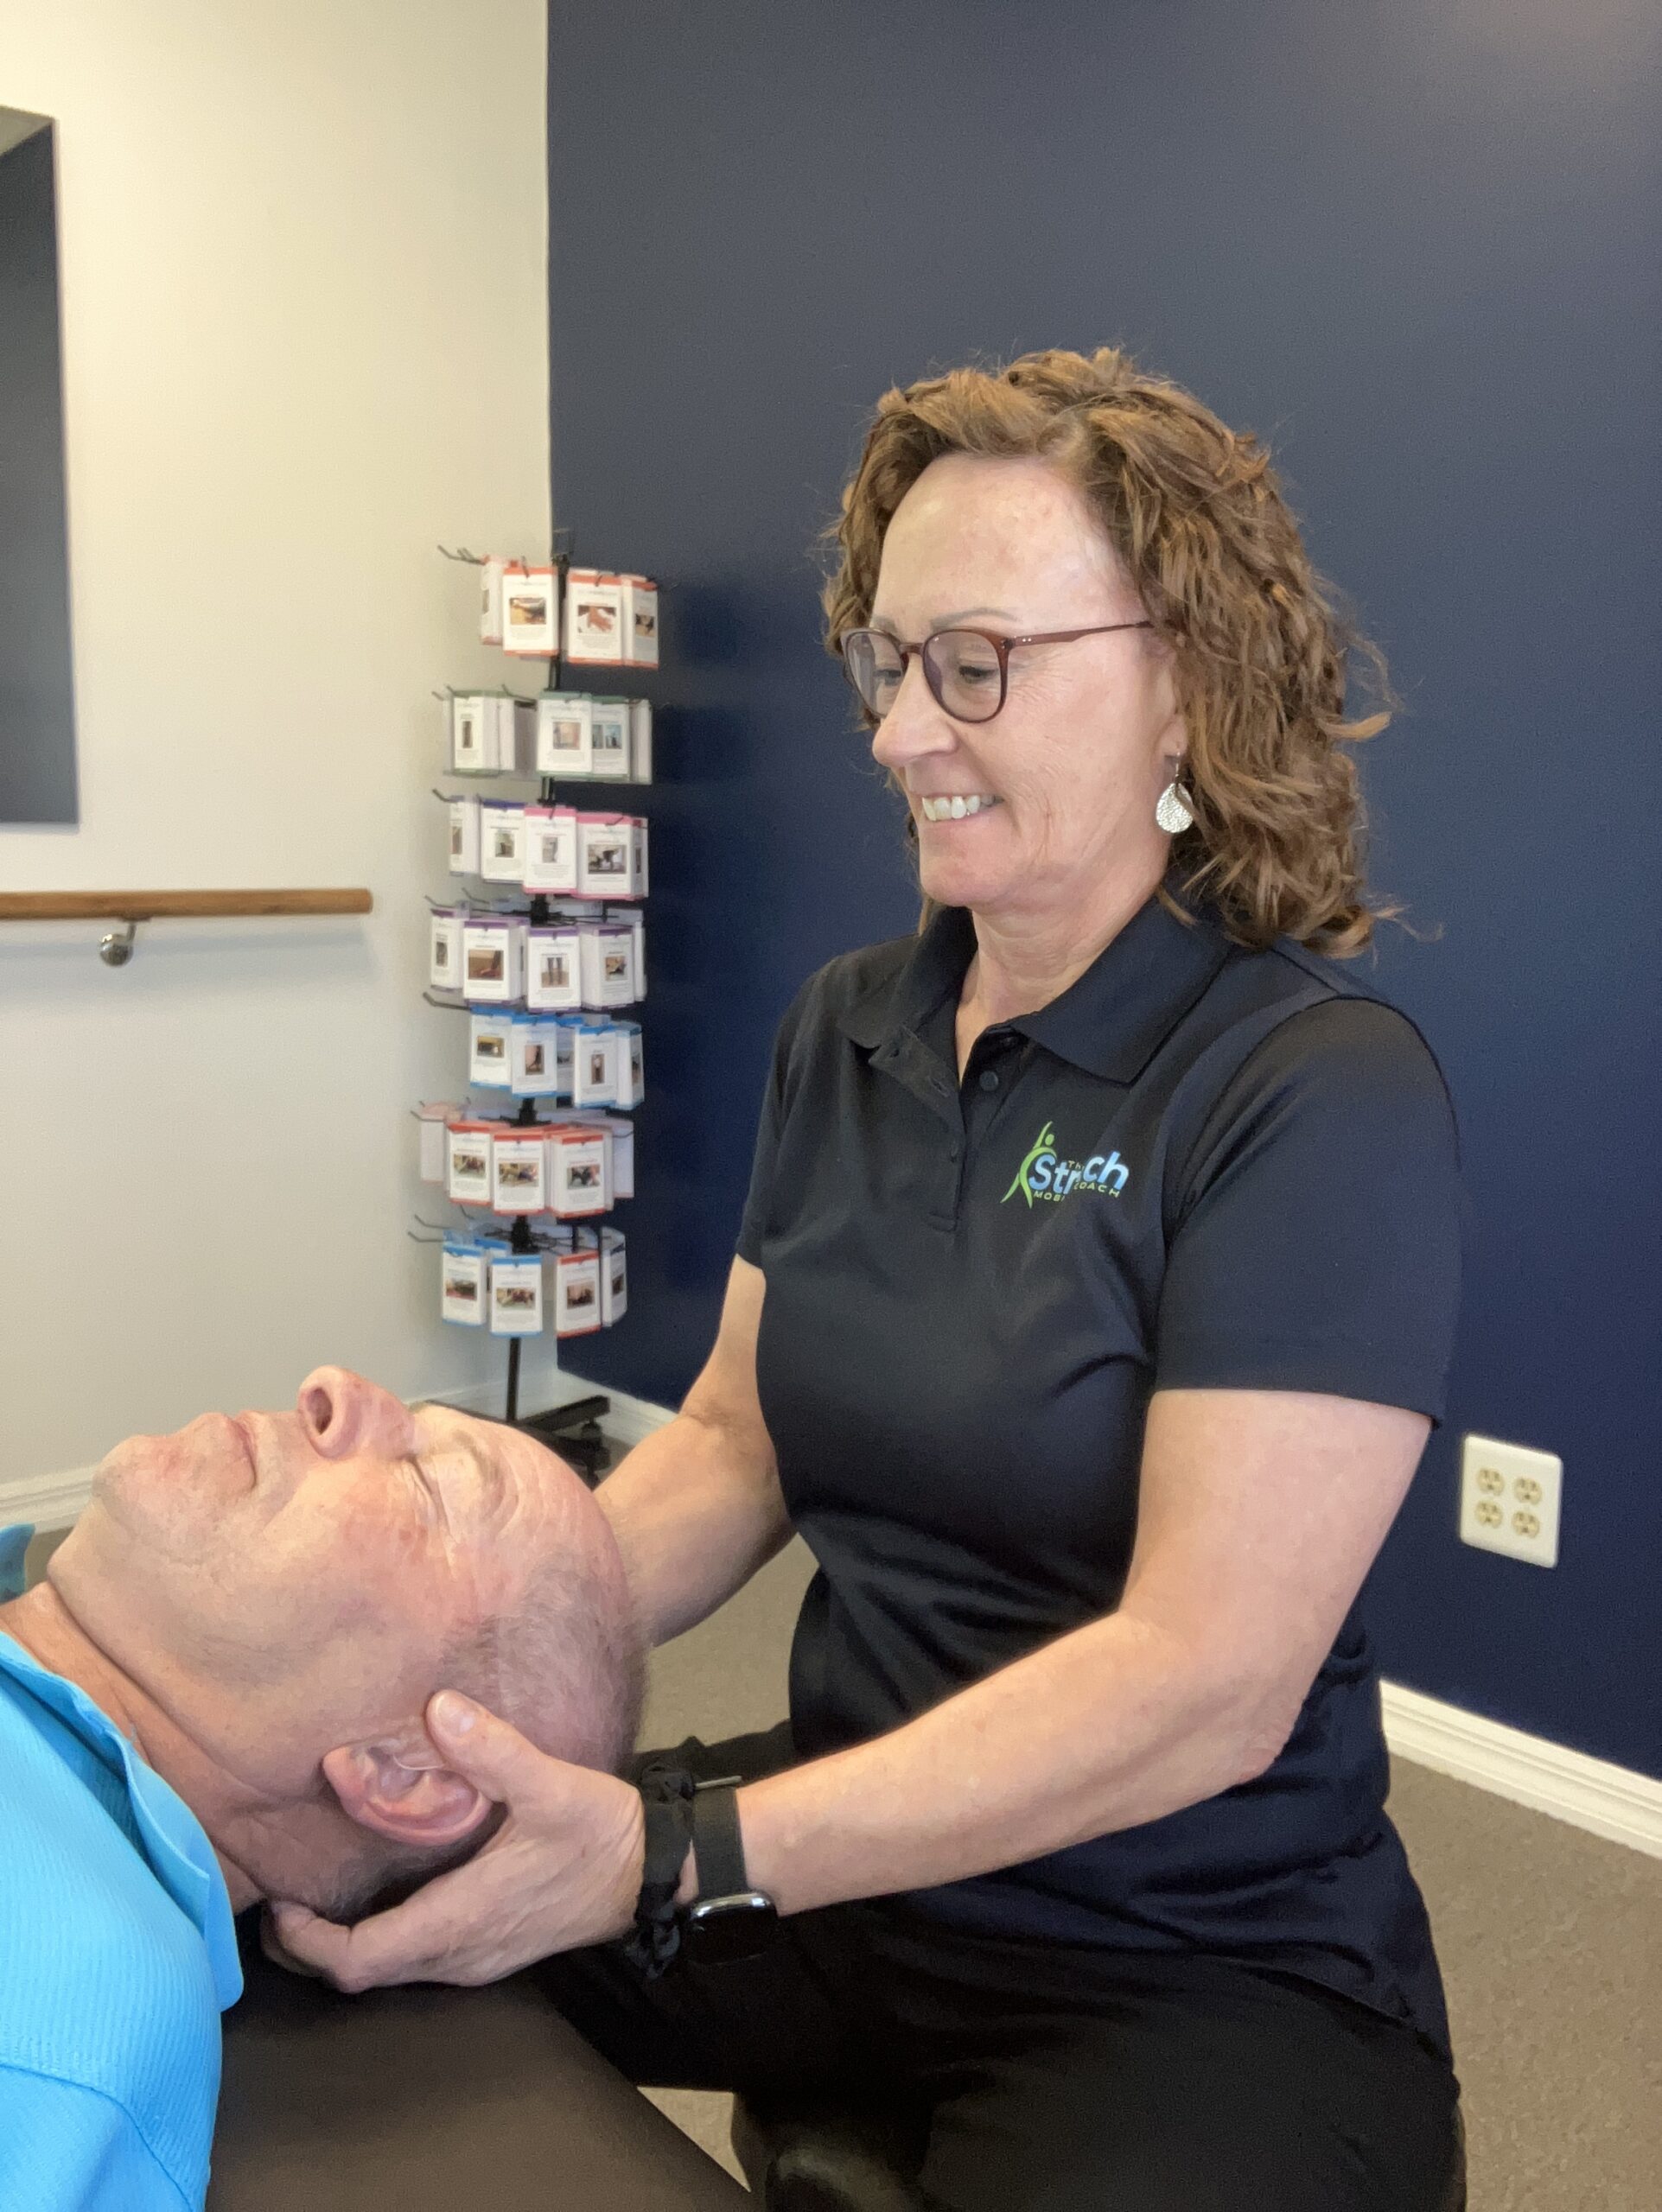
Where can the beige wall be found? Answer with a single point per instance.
(303, 253)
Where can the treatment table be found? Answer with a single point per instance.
(433, 2100)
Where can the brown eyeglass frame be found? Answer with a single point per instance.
(1002, 648)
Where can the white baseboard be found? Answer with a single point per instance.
(49, 1500)
(1592, 1794)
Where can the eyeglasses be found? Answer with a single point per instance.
(967, 670)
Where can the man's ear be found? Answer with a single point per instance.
(398, 1785)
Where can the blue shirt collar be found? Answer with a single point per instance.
(178, 1850)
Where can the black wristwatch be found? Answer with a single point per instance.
(727, 1919)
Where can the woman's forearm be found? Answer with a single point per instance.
(1111, 1726)
(696, 1511)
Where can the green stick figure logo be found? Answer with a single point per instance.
(1042, 1174)
(1044, 1142)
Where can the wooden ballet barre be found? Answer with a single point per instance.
(130, 908)
(154, 905)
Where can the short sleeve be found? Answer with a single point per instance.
(753, 1228)
(67, 2149)
(1318, 1238)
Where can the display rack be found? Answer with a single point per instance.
(575, 1425)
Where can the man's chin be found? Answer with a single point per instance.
(168, 1481)
(124, 1473)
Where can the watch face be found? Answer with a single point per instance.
(731, 1928)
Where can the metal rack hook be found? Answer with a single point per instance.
(446, 1006)
(441, 1231)
(474, 559)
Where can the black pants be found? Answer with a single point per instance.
(1022, 2078)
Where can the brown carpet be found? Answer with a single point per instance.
(1550, 1941)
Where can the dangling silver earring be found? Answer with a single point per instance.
(1173, 811)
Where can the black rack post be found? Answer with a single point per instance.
(520, 1234)
(518, 1241)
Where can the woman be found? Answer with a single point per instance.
(1092, 1304)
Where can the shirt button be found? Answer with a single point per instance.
(989, 1080)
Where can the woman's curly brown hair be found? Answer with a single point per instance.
(1196, 515)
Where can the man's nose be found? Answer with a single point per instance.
(343, 1414)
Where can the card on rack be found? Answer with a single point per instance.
(621, 1129)
(607, 964)
(517, 1295)
(564, 733)
(594, 618)
(444, 947)
(576, 1293)
(502, 840)
(553, 979)
(468, 1162)
(595, 1059)
(490, 600)
(464, 836)
(520, 1171)
(462, 1279)
(613, 1278)
(433, 1120)
(534, 1057)
(470, 755)
(550, 850)
(580, 1163)
(530, 611)
(628, 1064)
(493, 958)
(489, 1037)
(631, 918)
(641, 740)
(609, 856)
(641, 622)
(513, 734)
(609, 728)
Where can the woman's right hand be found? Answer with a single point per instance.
(564, 1871)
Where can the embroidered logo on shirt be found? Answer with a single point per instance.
(1044, 1174)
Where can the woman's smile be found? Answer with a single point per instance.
(955, 807)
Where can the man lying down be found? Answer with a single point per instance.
(217, 1696)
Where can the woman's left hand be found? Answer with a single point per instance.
(562, 1870)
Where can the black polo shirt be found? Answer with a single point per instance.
(1200, 1167)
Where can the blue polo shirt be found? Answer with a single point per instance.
(1202, 1166)
(118, 1954)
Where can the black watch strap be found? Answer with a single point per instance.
(727, 1919)
(667, 1797)
(717, 1843)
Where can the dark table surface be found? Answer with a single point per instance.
(456, 2100)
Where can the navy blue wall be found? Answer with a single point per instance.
(1413, 246)
(37, 713)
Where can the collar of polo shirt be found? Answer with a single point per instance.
(1111, 1021)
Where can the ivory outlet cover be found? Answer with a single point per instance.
(1509, 1498)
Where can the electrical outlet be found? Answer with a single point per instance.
(1509, 1500)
